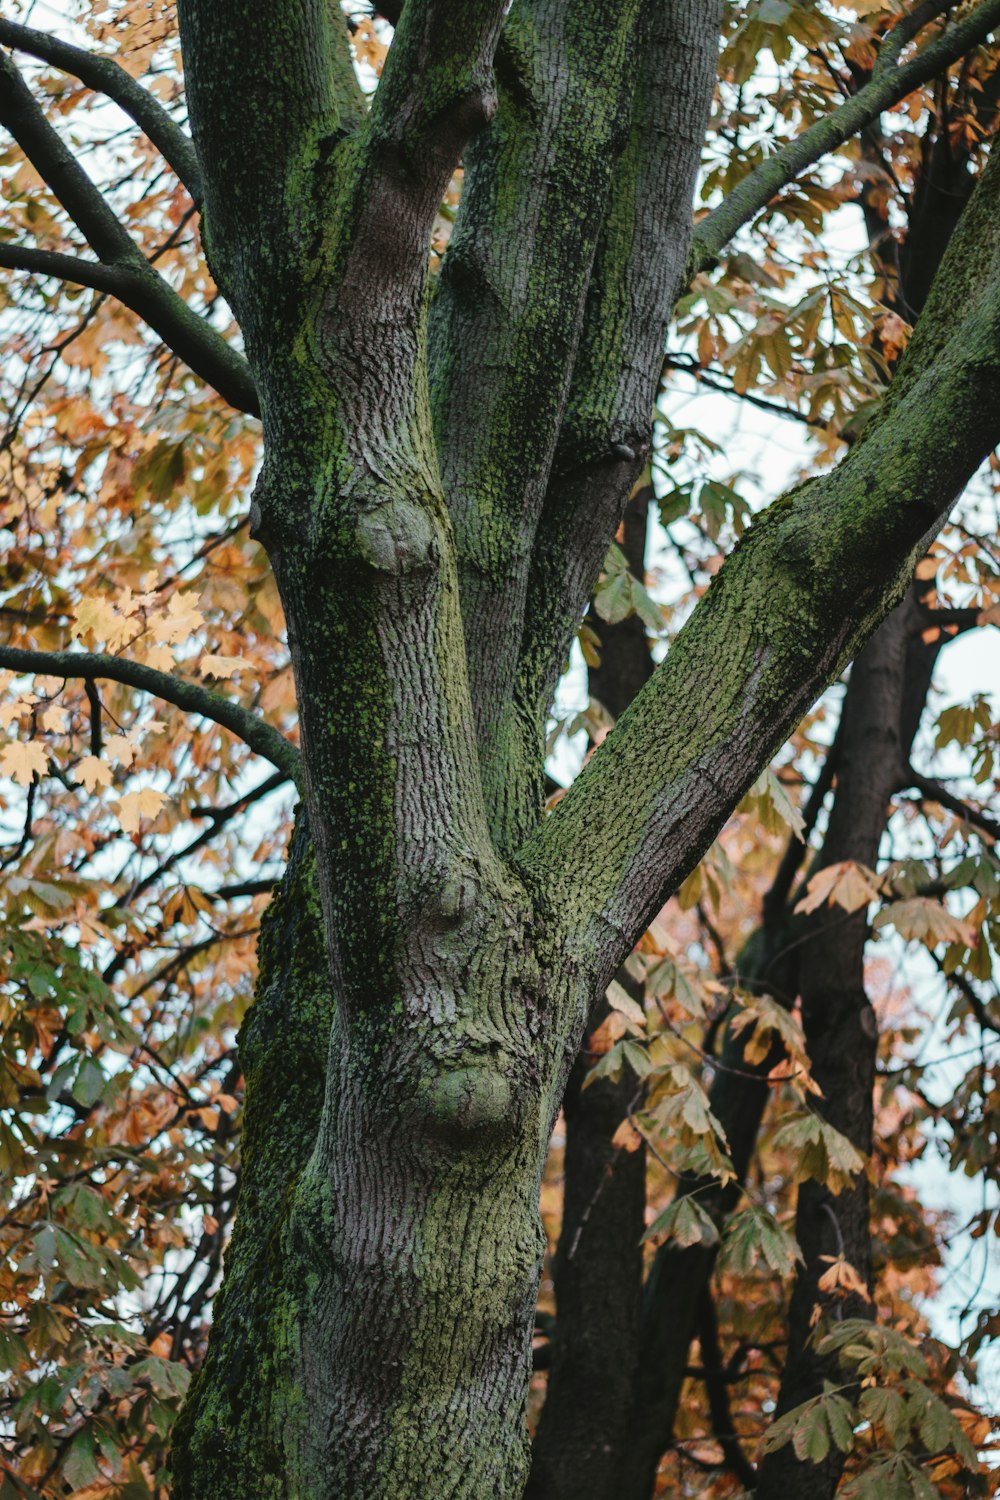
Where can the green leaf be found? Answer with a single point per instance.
(884, 1407)
(754, 1235)
(822, 1152)
(813, 1427)
(939, 1428)
(684, 1222)
(80, 1464)
(89, 1082)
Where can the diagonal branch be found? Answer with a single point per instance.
(95, 274)
(105, 76)
(935, 791)
(262, 738)
(123, 271)
(794, 602)
(887, 87)
(23, 116)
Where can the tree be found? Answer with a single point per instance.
(442, 475)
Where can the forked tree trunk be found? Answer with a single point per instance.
(436, 507)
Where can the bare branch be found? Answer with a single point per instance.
(886, 88)
(951, 621)
(935, 791)
(23, 116)
(262, 738)
(793, 603)
(105, 76)
(95, 274)
(123, 272)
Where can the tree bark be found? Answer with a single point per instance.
(583, 1431)
(229, 1439)
(842, 1038)
(465, 938)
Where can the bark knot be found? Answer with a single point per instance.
(396, 537)
(469, 1105)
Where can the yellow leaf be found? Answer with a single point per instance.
(161, 657)
(841, 1277)
(135, 806)
(846, 884)
(102, 621)
(219, 666)
(93, 772)
(54, 719)
(620, 1000)
(178, 622)
(121, 747)
(626, 1137)
(23, 761)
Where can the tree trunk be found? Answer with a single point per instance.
(584, 1428)
(889, 683)
(465, 936)
(229, 1439)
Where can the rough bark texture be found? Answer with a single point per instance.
(585, 1428)
(445, 464)
(230, 1436)
(439, 487)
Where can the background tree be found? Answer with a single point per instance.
(380, 1289)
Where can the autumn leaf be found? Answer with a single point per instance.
(93, 772)
(753, 1235)
(619, 999)
(626, 1137)
(841, 1278)
(846, 884)
(924, 920)
(135, 806)
(103, 623)
(178, 622)
(121, 748)
(220, 666)
(686, 1222)
(821, 1151)
(23, 761)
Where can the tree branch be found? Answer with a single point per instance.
(952, 621)
(271, 89)
(936, 791)
(262, 738)
(105, 76)
(436, 87)
(506, 325)
(124, 272)
(794, 601)
(886, 88)
(23, 116)
(637, 275)
(714, 1376)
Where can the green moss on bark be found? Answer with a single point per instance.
(231, 1439)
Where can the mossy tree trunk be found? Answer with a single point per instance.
(442, 475)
